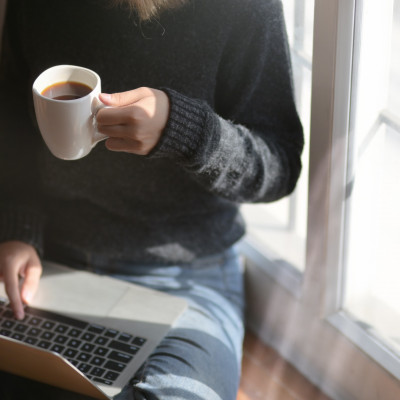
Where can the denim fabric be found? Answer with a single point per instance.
(200, 357)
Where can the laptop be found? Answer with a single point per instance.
(84, 332)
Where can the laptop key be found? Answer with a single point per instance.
(139, 341)
(47, 335)
(119, 356)
(96, 328)
(125, 337)
(44, 344)
(111, 375)
(21, 328)
(34, 332)
(24, 319)
(83, 367)
(74, 332)
(70, 353)
(126, 348)
(74, 343)
(101, 380)
(112, 333)
(8, 314)
(88, 336)
(18, 336)
(88, 347)
(97, 360)
(115, 366)
(96, 371)
(75, 363)
(101, 340)
(61, 339)
(57, 348)
(30, 340)
(8, 323)
(84, 357)
(48, 325)
(61, 328)
(35, 321)
(5, 332)
(101, 351)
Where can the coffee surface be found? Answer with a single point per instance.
(66, 90)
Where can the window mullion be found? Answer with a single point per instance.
(332, 64)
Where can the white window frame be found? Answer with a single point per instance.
(302, 318)
(342, 130)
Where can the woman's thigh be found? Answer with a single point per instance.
(200, 357)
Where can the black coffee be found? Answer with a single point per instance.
(66, 90)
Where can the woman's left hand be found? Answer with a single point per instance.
(135, 120)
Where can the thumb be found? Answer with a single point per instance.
(124, 98)
(31, 282)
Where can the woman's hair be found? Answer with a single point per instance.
(148, 9)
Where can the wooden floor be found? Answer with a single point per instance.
(267, 376)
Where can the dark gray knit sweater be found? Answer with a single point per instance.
(233, 133)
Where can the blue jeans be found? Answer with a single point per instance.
(200, 357)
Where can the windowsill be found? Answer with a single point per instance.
(265, 231)
(368, 340)
(277, 268)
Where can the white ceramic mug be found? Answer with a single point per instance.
(68, 127)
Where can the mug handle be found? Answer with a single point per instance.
(96, 106)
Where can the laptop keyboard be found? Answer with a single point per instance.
(100, 353)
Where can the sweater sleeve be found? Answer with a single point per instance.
(20, 215)
(248, 147)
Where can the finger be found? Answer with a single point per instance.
(115, 116)
(31, 282)
(12, 289)
(124, 98)
(118, 144)
(126, 145)
(117, 131)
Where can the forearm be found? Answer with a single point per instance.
(231, 160)
(245, 144)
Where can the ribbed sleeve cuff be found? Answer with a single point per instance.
(23, 225)
(184, 131)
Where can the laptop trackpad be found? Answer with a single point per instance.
(71, 291)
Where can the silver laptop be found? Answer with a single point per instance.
(85, 332)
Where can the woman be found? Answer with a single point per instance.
(202, 118)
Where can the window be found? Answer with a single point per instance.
(371, 292)
(281, 226)
(339, 323)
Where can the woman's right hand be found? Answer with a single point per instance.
(19, 261)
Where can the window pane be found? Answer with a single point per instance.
(372, 259)
(281, 227)
(394, 97)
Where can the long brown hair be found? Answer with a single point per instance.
(148, 9)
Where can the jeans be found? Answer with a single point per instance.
(199, 358)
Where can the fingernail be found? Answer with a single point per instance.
(106, 96)
(19, 315)
(27, 296)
